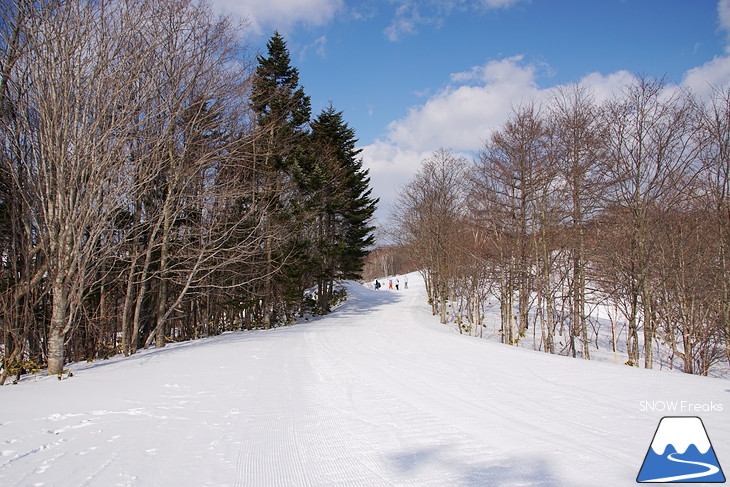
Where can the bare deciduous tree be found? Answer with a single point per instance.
(716, 181)
(578, 136)
(651, 149)
(429, 208)
(78, 66)
(512, 175)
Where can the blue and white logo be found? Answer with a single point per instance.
(681, 452)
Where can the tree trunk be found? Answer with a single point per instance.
(162, 296)
(547, 294)
(645, 297)
(632, 340)
(160, 317)
(443, 299)
(577, 322)
(57, 331)
(266, 302)
(167, 218)
(127, 311)
(507, 309)
(648, 331)
(687, 341)
(524, 305)
(725, 300)
(579, 296)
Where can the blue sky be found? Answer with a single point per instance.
(412, 76)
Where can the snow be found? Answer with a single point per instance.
(375, 394)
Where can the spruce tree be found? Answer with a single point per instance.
(345, 203)
(281, 107)
(282, 114)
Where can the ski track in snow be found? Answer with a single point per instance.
(375, 394)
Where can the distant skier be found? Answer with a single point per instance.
(377, 285)
(390, 283)
(397, 282)
(405, 282)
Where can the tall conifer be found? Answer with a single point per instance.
(281, 107)
(282, 113)
(346, 205)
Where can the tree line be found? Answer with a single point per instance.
(156, 184)
(575, 203)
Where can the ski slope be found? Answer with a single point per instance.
(375, 394)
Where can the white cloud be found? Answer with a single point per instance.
(479, 100)
(267, 15)
(319, 46)
(390, 167)
(406, 21)
(605, 88)
(462, 115)
(459, 117)
(713, 74)
(411, 14)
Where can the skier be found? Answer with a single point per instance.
(397, 282)
(405, 282)
(377, 285)
(390, 283)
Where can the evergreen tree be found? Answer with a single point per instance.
(281, 107)
(345, 206)
(282, 113)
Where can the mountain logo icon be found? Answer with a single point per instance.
(681, 452)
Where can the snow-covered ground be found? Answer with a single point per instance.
(376, 394)
(607, 334)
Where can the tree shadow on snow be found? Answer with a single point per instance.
(444, 462)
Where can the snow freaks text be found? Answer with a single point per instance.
(680, 407)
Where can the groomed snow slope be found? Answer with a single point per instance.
(376, 394)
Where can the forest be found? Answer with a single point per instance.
(158, 182)
(574, 203)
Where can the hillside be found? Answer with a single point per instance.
(375, 394)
